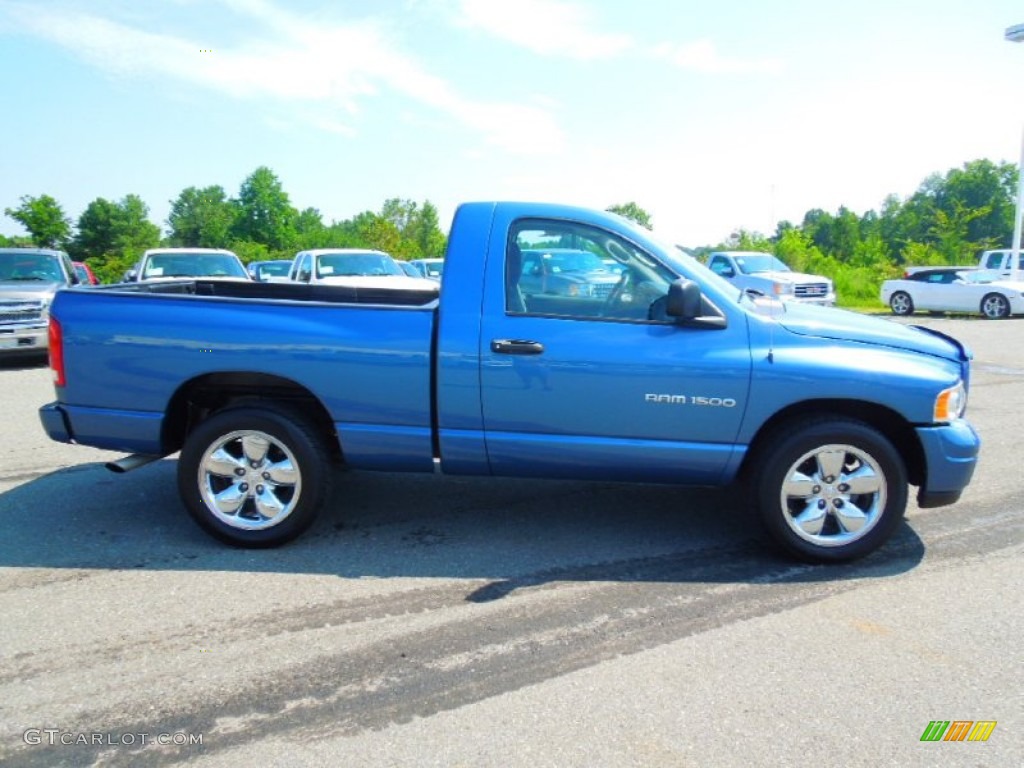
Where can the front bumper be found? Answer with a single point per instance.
(950, 454)
(23, 340)
(824, 300)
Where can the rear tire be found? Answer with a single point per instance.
(829, 490)
(901, 304)
(254, 476)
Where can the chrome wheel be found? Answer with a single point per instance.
(828, 488)
(255, 476)
(249, 480)
(901, 304)
(995, 306)
(833, 495)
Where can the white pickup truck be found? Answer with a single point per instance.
(996, 264)
(766, 274)
(1000, 264)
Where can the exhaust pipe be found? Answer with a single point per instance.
(129, 463)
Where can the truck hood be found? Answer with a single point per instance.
(790, 277)
(27, 291)
(843, 325)
(381, 281)
(171, 278)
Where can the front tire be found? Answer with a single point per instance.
(254, 477)
(830, 490)
(995, 306)
(901, 304)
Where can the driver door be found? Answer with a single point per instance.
(579, 386)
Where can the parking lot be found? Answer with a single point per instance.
(452, 621)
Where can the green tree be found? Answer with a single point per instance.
(632, 211)
(112, 236)
(376, 232)
(310, 231)
(201, 218)
(426, 232)
(97, 231)
(951, 232)
(264, 213)
(417, 225)
(980, 196)
(745, 240)
(15, 242)
(44, 219)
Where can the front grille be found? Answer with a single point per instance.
(811, 290)
(21, 311)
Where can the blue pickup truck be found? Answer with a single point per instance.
(671, 376)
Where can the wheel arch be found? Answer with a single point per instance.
(896, 429)
(198, 398)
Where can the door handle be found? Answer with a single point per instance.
(516, 347)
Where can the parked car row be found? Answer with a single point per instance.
(338, 266)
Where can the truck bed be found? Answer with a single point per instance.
(136, 351)
(241, 289)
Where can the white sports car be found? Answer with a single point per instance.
(946, 289)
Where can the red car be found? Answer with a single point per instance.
(85, 273)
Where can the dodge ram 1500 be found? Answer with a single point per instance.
(669, 375)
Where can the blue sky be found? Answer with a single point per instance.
(711, 116)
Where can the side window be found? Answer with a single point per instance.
(302, 268)
(720, 266)
(565, 269)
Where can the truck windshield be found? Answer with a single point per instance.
(18, 267)
(751, 264)
(192, 265)
(355, 264)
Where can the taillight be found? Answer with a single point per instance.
(56, 337)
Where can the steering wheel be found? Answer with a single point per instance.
(615, 296)
(617, 252)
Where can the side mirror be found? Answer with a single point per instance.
(684, 300)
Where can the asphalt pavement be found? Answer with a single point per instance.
(431, 621)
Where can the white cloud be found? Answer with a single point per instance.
(703, 56)
(330, 65)
(544, 26)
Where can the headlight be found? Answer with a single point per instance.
(783, 289)
(951, 403)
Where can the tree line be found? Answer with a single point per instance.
(948, 220)
(259, 223)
